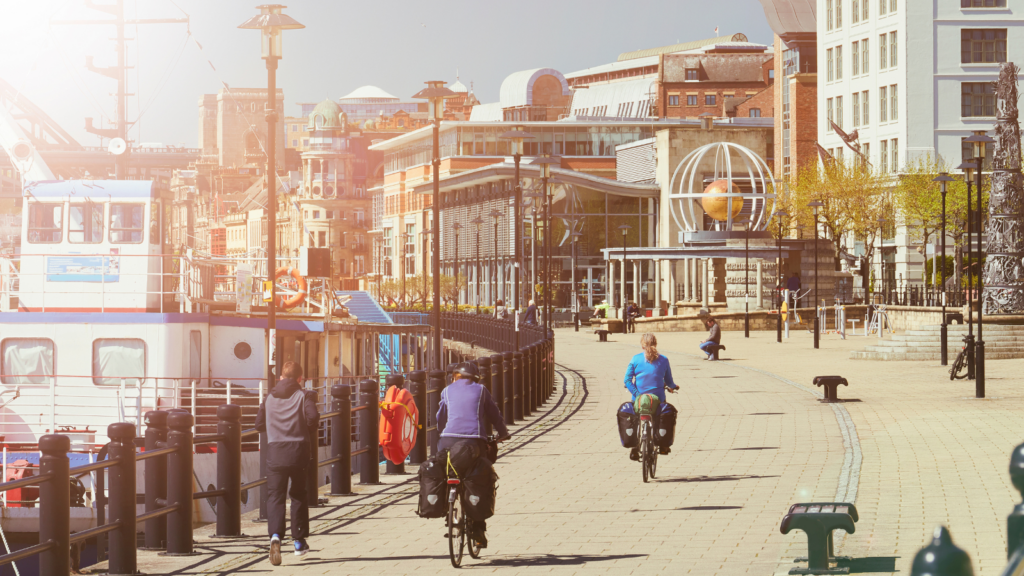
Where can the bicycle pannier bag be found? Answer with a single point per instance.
(627, 421)
(481, 490)
(433, 502)
(463, 455)
(666, 431)
(646, 405)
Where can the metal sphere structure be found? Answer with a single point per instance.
(739, 177)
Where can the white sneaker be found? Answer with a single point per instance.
(275, 550)
(301, 548)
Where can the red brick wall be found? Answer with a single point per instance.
(547, 91)
(803, 105)
(738, 89)
(764, 100)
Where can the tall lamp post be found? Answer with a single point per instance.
(779, 214)
(477, 222)
(426, 264)
(494, 293)
(968, 167)
(943, 179)
(625, 228)
(979, 141)
(544, 162)
(817, 329)
(435, 94)
(575, 296)
(404, 236)
(881, 258)
(535, 198)
(271, 22)
(746, 279)
(516, 136)
(458, 291)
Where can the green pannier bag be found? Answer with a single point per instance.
(646, 405)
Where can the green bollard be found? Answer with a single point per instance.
(941, 558)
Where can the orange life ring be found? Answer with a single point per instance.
(399, 420)
(297, 299)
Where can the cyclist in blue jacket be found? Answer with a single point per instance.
(649, 373)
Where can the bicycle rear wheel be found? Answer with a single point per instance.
(456, 533)
(959, 365)
(474, 548)
(654, 461)
(645, 448)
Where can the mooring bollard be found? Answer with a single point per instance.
(179, 484)
(55, 505)
(156, 479)
(941, 558)
(509, 388)
(341, 440)
(398, 381)
(229, 471)
(122, 497)
(517, 384)
(418, 389)
(369, 465)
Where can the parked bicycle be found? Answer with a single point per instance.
(960, 368)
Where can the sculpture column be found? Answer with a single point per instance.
(672, 287)
(636, 281)
(704, 263)
(623, 295)
(611, 288)
(685, 296)
(657, 289)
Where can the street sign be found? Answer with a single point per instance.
(268, 289)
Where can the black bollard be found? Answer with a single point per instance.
(229, 471)
(341, 440)
(941, 558)
(156, 479)
(517, 384)
(484, 365)
(418, 389)
(435, 383)
(369, 465)
(1015, 521)
(508, 388)
(55, 505)
(497, 382)
(398, 381)
(122, 498)
(313, 466)
(179, 484)
(527, 386)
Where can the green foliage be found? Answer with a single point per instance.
(950, 270)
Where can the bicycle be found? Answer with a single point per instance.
(648, 448)
(960, 365)
(460, 526)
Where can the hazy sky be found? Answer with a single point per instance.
(393, 44)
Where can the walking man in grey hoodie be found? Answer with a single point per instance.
(289, 419)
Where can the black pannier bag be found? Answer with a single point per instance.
(464, 455)
(481, 490)
(433, 501)
(666, 431)
(627, 421)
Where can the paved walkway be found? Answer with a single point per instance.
(915, 452)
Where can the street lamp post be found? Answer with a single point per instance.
(979, 141)
(458, 291)
(494, 273)
(404, 236)
(817, 329)
(544, 162)
(943, 179)
(969, 166)
(780, 214)
(881, 260)
(625, 228)
(426, 264)
(435, 94)
(271, 22)
(746, 280)
(516, 137)
(575, 297)
(477, 222)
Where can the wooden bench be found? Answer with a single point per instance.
(714, 349)
(602, 335)
(818, 520)
(831, 384)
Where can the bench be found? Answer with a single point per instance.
(818, 520)
(602, 335)
(714, 349)
(951, 316)
(851, 510)
(831, 384)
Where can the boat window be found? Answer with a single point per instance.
(27, 360)
(126, 223)
(117, 358)
(154, 223)
(45, 223)
(85, 223)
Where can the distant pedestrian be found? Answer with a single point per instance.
(499, 310)
(714, 337)
(289, 419)
(530, 315)
(632, 312)
(793, 284)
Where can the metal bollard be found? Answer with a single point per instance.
(527, 386)
(941, 557)
(122, 498)
(509, 389)
(229, 471)
(517, 384)
(179, 484)
(398, 381)
(535, 376)
(156, 479)
(497, 384)
(435, 383)
(418, 389)
(341, 440)
(1015, 521)
(369, 465)
(55, 505)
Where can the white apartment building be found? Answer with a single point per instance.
(913, 77)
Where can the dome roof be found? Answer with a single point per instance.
(364, 92)
(329, 113)
(458, 87)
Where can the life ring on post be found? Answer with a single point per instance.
(285, 303)
(399, 422)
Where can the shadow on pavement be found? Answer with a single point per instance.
(711, 508)
(870, 564)
(728, 478)
(559, 560)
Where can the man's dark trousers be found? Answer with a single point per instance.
(277, 485)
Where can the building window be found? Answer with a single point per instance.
(330, 214)
(977, 99)
(839, 13)
(883, 154)
(27, 360)
(865, 111)
(114, 359)
(829, 65)
(673, 100)
(893, 54)
(983, 46)
(881, 7)
(709, 99)
(828, 108)
(864, 60)
(856, 109)
(755, 112)
(865, 149)
(360, 265)
(295, 127)
(691, 100)
(855, 59)
(305, 142)
(895, 165)
(864, 10)
(322, 238)
(855, 11)
(839, 111)
(692, 74)
(893, 101)
(828, 14)
(883, 117)
(892, 5)
(883, 60)
(839, 62)
(316, 214)
(295, 143)
(983, 3)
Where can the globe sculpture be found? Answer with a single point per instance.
(739, 179)
(717, 205)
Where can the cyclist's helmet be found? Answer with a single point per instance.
(468, 370)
